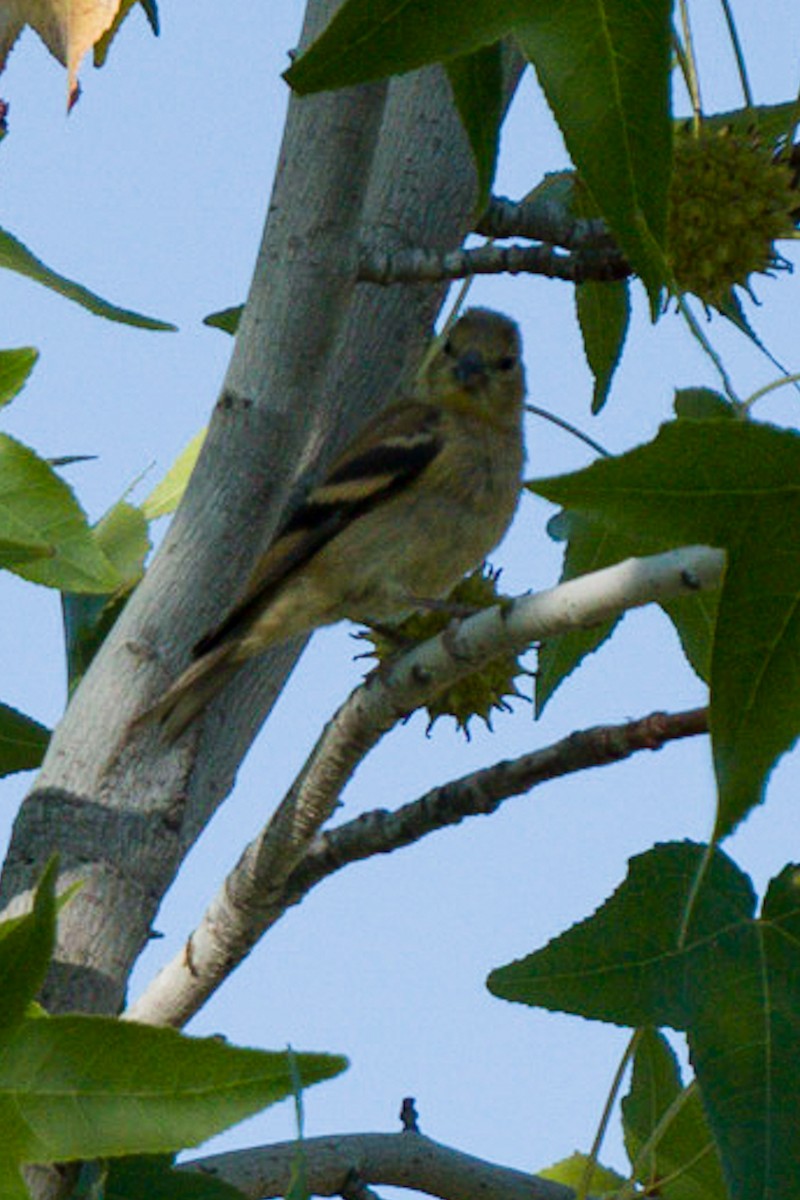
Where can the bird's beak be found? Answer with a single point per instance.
(470, 370)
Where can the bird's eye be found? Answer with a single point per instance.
(507, 364)
(448, 348)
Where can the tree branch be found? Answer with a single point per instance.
(252, 898)
(544, 217)
(418, 266)
(481, 793)
(406, 1160)
(317, 353)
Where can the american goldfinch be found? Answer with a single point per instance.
(420, 498)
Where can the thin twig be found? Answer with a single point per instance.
(430, 266)
(693, 78)
(252, 898)
(569, 427)
(697, 332)
(605, 1118)
(741, 65)
(543, 217)
(481, 793)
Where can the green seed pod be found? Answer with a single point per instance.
(478, 694)
(730, 199)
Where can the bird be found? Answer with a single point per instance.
(421, 496)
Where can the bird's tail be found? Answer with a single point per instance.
(193, 691)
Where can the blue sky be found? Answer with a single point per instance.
(152, 193)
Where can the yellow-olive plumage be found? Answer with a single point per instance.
(423, 494)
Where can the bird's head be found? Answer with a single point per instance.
(479, 366)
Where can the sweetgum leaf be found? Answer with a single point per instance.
(123, 537)
(590, 547)
(700, 404)
(75, 1087)
(227, 319)
(735, 485)
(23, 741)
(683, 1164)
(604, 66)
(26, 947)
(370, 39)
(477, 83)
(15, 367)
(36, 506)
(17, 257)
(604, 311)
(154, 1177)
(678, 945)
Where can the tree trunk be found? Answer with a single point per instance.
(317, 353)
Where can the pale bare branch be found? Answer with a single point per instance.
(252, 897)
(406, 1160)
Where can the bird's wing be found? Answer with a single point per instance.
(393, 450)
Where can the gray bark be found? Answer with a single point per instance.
(332, 1165)
(316, 354)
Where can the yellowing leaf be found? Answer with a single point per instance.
(166, 495)
(67, 27)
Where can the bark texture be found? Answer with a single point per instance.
(317, 353)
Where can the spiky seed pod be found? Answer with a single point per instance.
(478, 694)
(730, 199)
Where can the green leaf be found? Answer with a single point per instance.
(87, 1087)
(604, 310)
(153, 1176)
(122, 535)
(701, 404)
(227, 319)
(26, 947)
(88, 620)
(695, 621)
(477, 83)
(37, 507)
(370, 39)
(23, 741)
(684, 1163)
(733, 484)
(14, 552)
(770, 121)
(571, 1172)
(15, 367)
(731, 308)
(665, 951)
(590, 547)
(604, 66)
(167, 495)
(16, 257)
(11, 1184)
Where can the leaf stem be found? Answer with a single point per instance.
(769, 387)
(570, 428)
(741, 65)
(691, 321)
(611, 1099)
(694, 892)
(662, 1125)
(689, 67)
